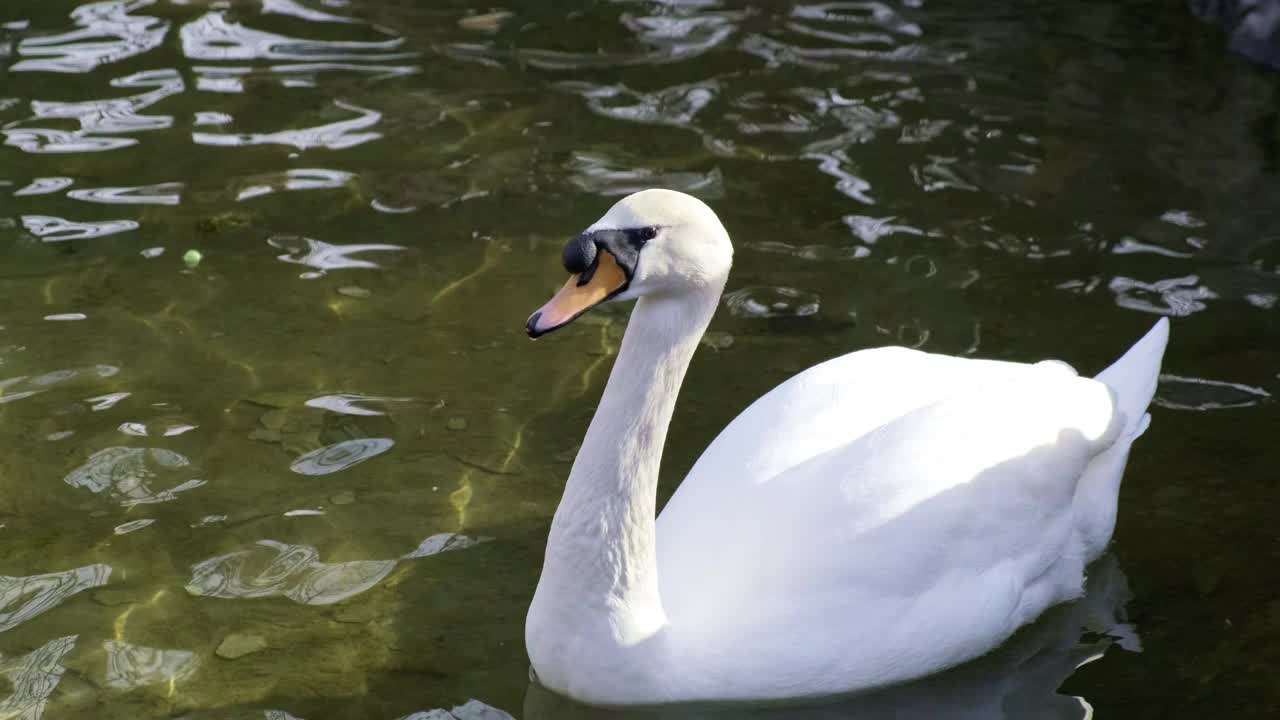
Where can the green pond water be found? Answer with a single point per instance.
(273, 442)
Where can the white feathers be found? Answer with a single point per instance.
(878, 517)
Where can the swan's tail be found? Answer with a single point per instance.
(1133, 377)
(1133, 380)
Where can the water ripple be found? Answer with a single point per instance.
(1177, 297)
(24, 386)
(126, 475)
(133, 666)
(34, 677)
(272, 569)
(106, 33)
(340, 456)
(231, 79)
(598, 173)
(334, 136)
(352, 404)
(290, 180)
(160, 427)
(1177, 392)
(160, 194)
(677, 105)
(769, 302)
(291, 7)
(23, 598)
(876, 15)
(132, 525)
(213, 37)
(325, 257)
(56, 229)
(97, 118)
(44, 186)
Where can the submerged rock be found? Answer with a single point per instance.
(237, 645)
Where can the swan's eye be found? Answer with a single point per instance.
(637, 237)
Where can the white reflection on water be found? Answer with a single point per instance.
(352, 404)
(127, 475)
(106, 33)
(44, 186)
(213, 37)
(24, 386)
(324, 256)
(675, 31)
(677, 105)
(765, 301)
(131, 526)
(340, 456)
(334, 136)
(34, 677)
(597, 173)
(1177, 392)
(230, 79)
(22, 598)
(133, 666)
(295, 179)
(273, 569)
(160, 194)
(160, 427)
(292, 7)
(56, 229)
(101, 121)
(1178, 296)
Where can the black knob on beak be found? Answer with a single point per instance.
(579, 254)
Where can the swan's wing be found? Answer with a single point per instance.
(825, 407)
(946, 519)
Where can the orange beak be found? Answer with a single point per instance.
(606, 279)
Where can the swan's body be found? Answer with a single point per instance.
(879, 517)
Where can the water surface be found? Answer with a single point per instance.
(272, 439)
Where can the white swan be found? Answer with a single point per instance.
(876, 518)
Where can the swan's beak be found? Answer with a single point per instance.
(604, 279)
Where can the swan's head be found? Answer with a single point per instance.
(651, 243)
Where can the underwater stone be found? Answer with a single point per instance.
(237, 645)
(265, 435)
(354, 291)
(274, 419)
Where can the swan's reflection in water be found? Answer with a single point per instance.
(1018, 681)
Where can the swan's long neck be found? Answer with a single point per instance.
(599, 582)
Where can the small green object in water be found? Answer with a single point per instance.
(192, 258)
